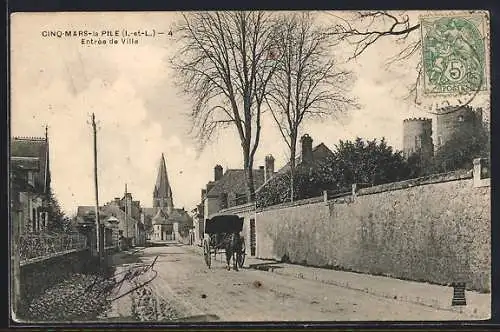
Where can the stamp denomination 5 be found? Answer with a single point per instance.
(454, 54)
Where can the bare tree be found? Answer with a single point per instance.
(375, 26)
(223, 65)
(365, 29)
(307, 83)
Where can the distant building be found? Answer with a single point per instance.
(163, 220)
(125, 214)
(450, 120)
(30, 182)
(417, 132)
(198, 221)
(228, 189)
(417, 139)
(307, 156)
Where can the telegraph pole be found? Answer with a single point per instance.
(100, 244)
(126, 214)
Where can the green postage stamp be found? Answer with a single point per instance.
(454, 54)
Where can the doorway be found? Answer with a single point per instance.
(252, 237)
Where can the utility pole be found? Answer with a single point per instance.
(126, 214)
(100, 238)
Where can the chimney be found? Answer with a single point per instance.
(217, 172)
(117, 201)
(307, 155)
(269, 167)
(210, 185)
(203, 193)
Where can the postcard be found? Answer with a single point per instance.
(250, 166)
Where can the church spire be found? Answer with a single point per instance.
(162, 194)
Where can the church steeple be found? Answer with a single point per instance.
(162, 194)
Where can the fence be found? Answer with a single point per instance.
(40, 245)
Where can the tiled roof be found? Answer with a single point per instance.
(27, 146)
(160, 218)
(234, 181)
(180, 215)
(32, 147)
(148, 212)
(83, 211)
(104, 211)
(319, 152)
(177, 215)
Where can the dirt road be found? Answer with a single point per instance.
(252, 295)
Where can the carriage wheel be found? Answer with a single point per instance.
(206, 253)
(240, 256)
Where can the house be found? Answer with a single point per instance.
(228, 189)
(136, 223)
(163, 221)
(125, 215)
(307, 156)
(30, 182)
(198, 222)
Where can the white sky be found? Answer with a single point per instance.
(59, 82)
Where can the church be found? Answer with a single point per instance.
(163, 221)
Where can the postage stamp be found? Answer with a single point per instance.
(454, 54)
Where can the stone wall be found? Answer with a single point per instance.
(38, 276)
(434, 229)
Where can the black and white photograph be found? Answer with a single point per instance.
(249, 166)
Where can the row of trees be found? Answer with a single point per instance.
(369, 162)
(236, 65)
(58, 221)
(373, 162)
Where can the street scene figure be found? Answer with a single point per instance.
(250, 166)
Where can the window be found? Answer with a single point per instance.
(440, 140)
(223, 200)
(31, 178)
(418, 142)
(460, 118)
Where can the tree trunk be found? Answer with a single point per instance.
(293, 151)
(248, 165)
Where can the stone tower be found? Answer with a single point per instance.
(451, 120)
(162, 193)
(417, 138)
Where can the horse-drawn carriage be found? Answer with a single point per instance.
(223, 233)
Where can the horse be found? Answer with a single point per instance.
(232, 246)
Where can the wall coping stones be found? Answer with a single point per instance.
(481, 167)
(311, 200)
(429, 179)
(247, 207)
(50, 256)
